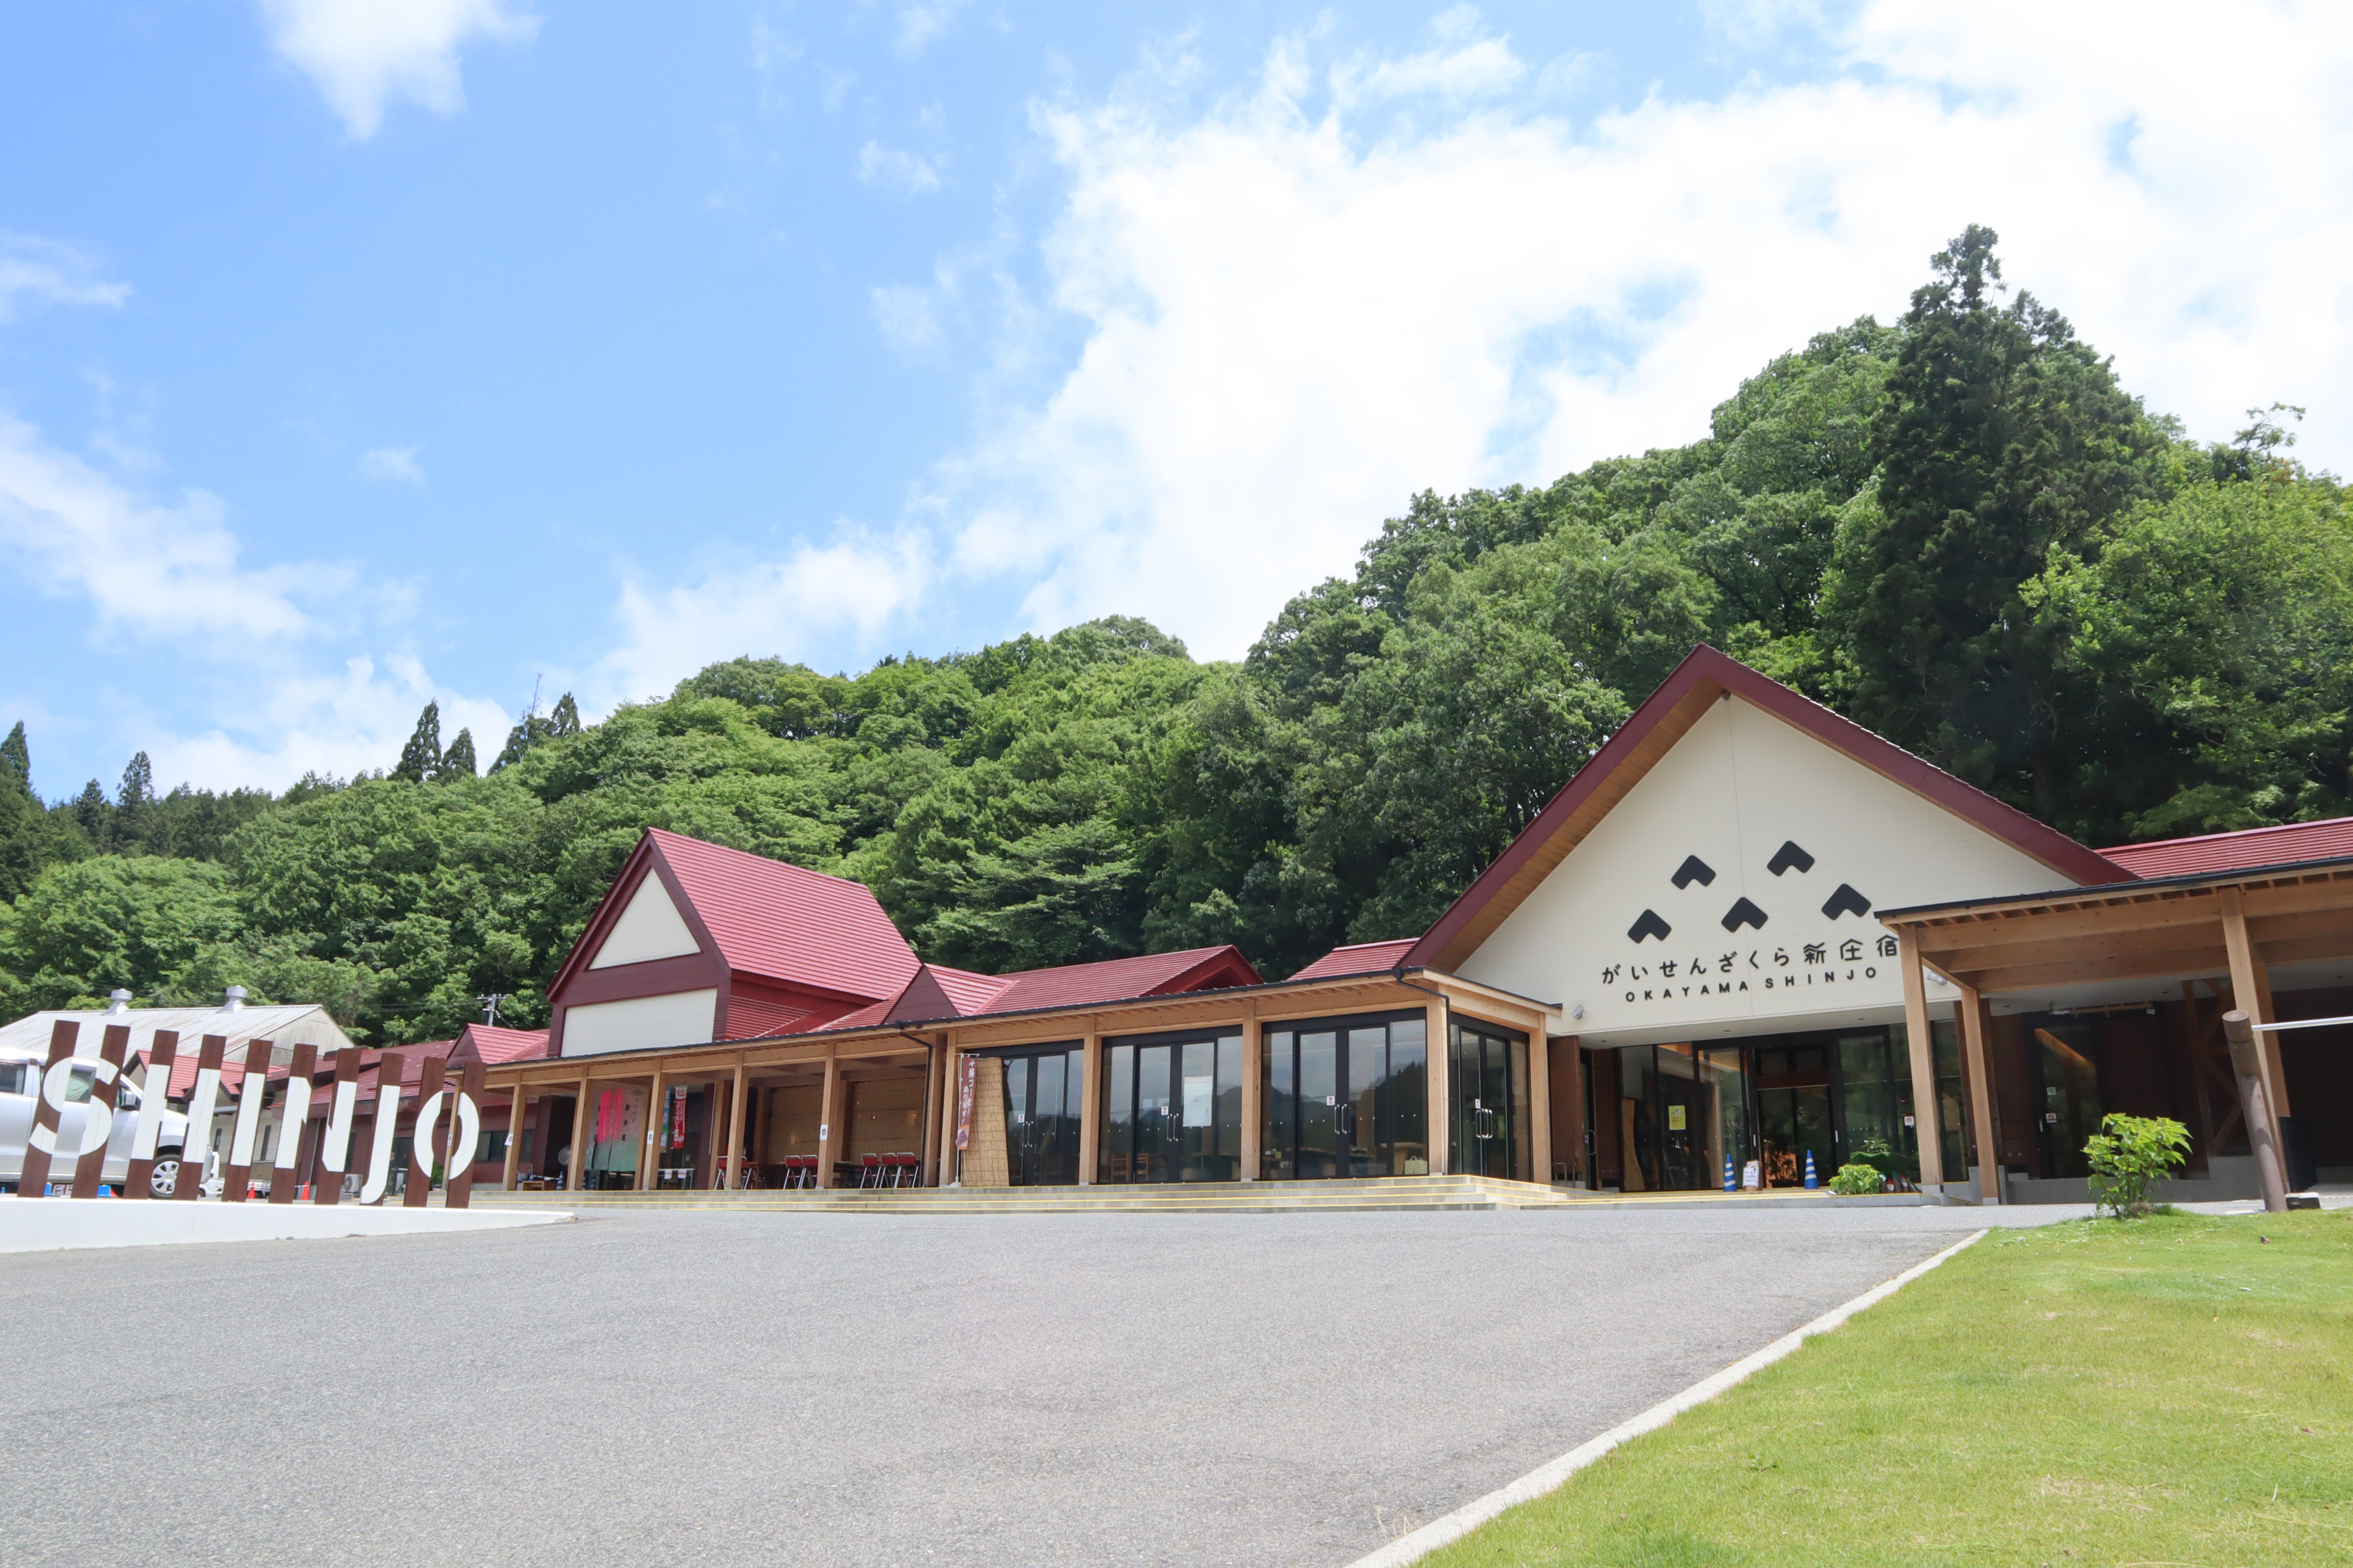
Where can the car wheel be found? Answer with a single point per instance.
(164, 1179)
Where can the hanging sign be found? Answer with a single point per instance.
(967, 1079)
(1677, 1118)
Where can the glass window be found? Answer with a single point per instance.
(1489, 1102)
(1346, 1098)
(1173, 1111)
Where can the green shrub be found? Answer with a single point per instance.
(1874, 1152)
(1856, 1179)
(2127, 1153)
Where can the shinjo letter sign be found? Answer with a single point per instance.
(448, 1121)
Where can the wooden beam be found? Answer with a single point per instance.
(2099, 949)
(1927, 1115)
(2151, 966)
(830, 1130)
(1953, 941)
(2250, 989)
(1539, 1105)
(649, 1146)
(735, 1127)
(576, 1175)
(1091, 1103)
(518, 1109)
(1977, 1063)
(1253, 1093)
(1433, 1013)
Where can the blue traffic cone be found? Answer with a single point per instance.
(1812, 1180)
(1730, 1185)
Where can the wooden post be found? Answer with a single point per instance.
(419, 1190)
(458, 1168)
(1927, 1114)
(1253, 1091)
(2250, 992)
(204, 1094)
(576, 1176)
(163, 1053)
(657, 1119)
(2263, 1126)
(830, 1130)
(252, 1095)
(943, 1164)
(293, 1115)
(1977, 1071)
(35, 1182)
(1442, 1064)
(1091, 1102)
(91, 1167)
(518, 1111)
(735, 1127)
(1540, 1104)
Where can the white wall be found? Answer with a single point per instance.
(1732, 792)
(678, 1018)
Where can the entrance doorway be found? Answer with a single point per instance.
(1793, 1114)
(1043, 1093)
(1172, 1108)
(1488, 1098)
(1347, 1097)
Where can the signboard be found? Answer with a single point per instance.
(1677, 1118)
(448, 1124)
(968, 1077)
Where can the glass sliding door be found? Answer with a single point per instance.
(1724, 1087)
(1041, 1116)
(1489, 1101)
(1346, 1098)
(1793, 1112)
(1172, 1110)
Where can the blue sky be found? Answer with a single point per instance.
(358, 351)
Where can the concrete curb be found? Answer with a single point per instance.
(1453, 1527)
(56, 1225)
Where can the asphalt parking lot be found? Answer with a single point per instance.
(706, 1389)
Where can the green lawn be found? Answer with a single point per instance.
(2174, 1391)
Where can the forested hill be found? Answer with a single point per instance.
(1958, 530)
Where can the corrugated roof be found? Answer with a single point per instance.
(2237, 851)
(971, 993)
(289, 1023)
(787, 923)
(1360, 958)
(1114, 980)
(495, 1044)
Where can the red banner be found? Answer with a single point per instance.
(967, 1079)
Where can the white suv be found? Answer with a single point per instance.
(20, 1096)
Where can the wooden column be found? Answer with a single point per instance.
(1433, 1013)
(944, 1171)
(1977, 1071)
(1091, 1103)
(649, 1147)
(418, 1187)
(90, 1169)
(1253, 1091)
(2250, 992)
(2263, 1123)
(518, 1109)
(575, 1174)
(1569, 1099)
(1928, 1126)
(736, 1128)
(1539, 1104)
(930, 1145)
(36, 1170)
(829, 1129)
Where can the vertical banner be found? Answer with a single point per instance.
(204, 1098)
(966, 1079)
(335, 1138)
(100, 1108)
(291, 1117)
(33, 1179)
(154, 1095)
(420, 1149)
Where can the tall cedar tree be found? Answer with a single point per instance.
(2001, 437)
(457, 761)
(421, 758)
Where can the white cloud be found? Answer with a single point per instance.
(895, 169)
(801, 606)
(1291, 324)
(391, 465)
(919, 24)
(341, 720)
(361, 54)
(35, 272)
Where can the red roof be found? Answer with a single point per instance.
(940, 992)
(786, 922)
(494, 1044)
(1703, 677)
(1362, 958)
(2238, 851)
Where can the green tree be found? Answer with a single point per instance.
(136, 922)
(457, 761)
(2001, 438)
(421, 759)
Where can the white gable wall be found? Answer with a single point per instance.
(639, 1023)
(1736, 787)
(648, 928)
